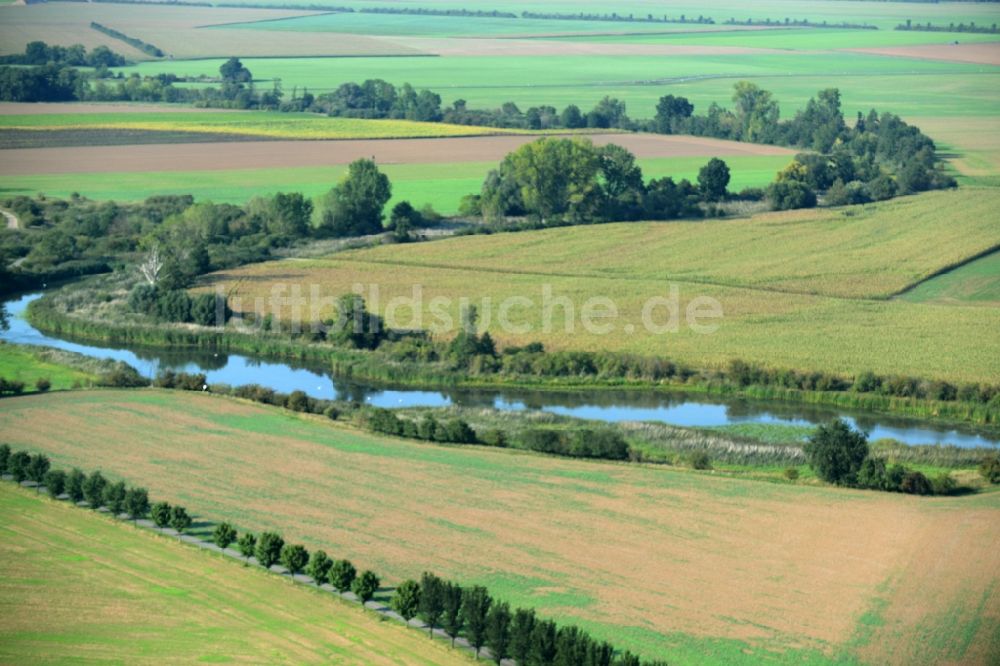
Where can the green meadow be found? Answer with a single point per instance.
(975, 283)
(441, 185)
(907, 87)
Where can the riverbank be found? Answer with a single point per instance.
(380, 369)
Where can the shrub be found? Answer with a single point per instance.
(872, 474)
(174, 305)
(331, 413)
(494, 437)
(943, 484)
(990, 468)
(701, 460)
(915, 483)
(43, 384)
(791, 473)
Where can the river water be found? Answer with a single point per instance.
(604, 405)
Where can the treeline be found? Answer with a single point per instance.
(876, 157)
(469, 612)
(951, 27)
(801, 23)
(40, 53)
(614, 16)
(134, 42)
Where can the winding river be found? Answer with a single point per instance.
(603, 405)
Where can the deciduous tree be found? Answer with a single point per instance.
(342, 575)
(294, 557)
(223, 535)
(269, 547)
(406, 599)
(476, 602)
(365, 586)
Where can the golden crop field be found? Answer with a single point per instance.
(743, 264)
(260, 124)
(80, 587)
(868, 251)
(674, 564)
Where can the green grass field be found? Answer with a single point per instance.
(801, 290)
(81, 587)
(441, 185)
(670, 563)
(22, 364)
(975, 283)
(489, 81)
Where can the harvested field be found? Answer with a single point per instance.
(78, 586)
(178, 31)
(274, 154)
(679, 565)
(983, 54)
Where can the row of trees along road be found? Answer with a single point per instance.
(469, 612)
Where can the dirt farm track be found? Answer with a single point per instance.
(277, 154)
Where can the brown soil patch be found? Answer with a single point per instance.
(980, 53)
(279, 154)
(643, 547)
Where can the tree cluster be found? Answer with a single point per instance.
(572, 181)
(839, 454)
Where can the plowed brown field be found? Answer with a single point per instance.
(271, 154)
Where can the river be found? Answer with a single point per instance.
(603, 405)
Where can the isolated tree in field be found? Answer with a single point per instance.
(223, 535)
(354, 206)
(93, 489)
(55, 482)
(406, 599)
(247, 545)
(452, 619)
(4, 456)
(521, 627)
(38, 467)
(179, 518)
(114, 497)
(476, 603)
(365, 586)
(294, 558)
(160, 514)
(233, 71)
(319, 567)
(836, 451)
(498, 631)
(342, 575)
(269, 547)
(74, 485)
(543, 642)
(713, 179)
(431, 600)
(136, 503)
